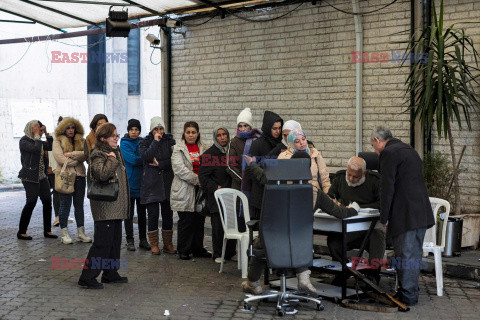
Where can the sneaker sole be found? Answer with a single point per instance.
(80, 240)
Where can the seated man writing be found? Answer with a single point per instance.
(357, 184)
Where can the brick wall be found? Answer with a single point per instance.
(299, 66)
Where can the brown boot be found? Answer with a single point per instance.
(167, 241)
(153, 239)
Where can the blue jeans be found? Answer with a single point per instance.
(408, 249)
(66, 202)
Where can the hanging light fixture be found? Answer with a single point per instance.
(117, 23)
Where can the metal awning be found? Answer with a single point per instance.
(63, 14)
(79, 13)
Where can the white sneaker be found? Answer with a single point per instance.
(66, 237)
(82, 236)
(219, 260)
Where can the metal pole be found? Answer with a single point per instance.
(90, 32)
(358, 80)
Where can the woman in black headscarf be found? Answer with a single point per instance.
(271, 137)
(213, 175)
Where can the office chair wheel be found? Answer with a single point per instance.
(247, 306)
(281, 312)
(320, 307)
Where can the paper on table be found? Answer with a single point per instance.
(369, 210)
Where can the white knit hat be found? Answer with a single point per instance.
(156, 122)
(245, 116)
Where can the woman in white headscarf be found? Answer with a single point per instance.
(287, 127)
(34, 177)
(297, 142)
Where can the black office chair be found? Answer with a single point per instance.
(286, 225)
(371, 159)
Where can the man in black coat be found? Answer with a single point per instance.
(404, 207)
(271, 137)
(213, 175)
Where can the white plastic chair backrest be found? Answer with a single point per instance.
(227, 206)
(431, 234)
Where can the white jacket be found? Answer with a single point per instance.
(182, 195)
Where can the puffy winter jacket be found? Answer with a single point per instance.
(133, 163)
(75, 163)
(156, 181)
(30, 152)
(182, 197)
(318, 168)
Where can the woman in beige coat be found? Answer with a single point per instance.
(107, 162)
(185, 165)
(68, 147)
(297, 142)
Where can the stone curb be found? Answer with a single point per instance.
(452, 269)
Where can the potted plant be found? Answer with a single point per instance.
(443, 85)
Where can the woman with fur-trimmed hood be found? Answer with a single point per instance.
(68, 147)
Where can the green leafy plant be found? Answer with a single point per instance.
(443, 86)
(437, 174)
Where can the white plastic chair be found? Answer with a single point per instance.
(430, 242)
(227, 205)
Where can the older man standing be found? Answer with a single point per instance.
(357, 184)
(404, 207)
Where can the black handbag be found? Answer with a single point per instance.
(201, 201)
(102, 190)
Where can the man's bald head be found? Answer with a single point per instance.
(356, 171)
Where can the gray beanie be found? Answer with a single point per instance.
(156, 122)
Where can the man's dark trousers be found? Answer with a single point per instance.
(408, 250)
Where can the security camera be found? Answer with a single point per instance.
(174, 23)
(154, 41)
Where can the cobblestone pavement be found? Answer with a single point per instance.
(31, 289)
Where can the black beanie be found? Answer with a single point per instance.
(134, 123)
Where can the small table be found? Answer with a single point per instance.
(324, 223)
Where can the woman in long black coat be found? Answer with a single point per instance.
(261, 148)
(213, 175)
(156, 152)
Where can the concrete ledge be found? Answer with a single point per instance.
(465, 266)
(5, 187)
